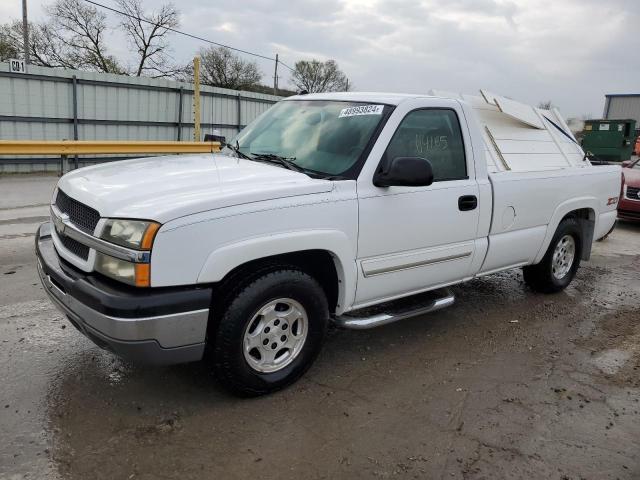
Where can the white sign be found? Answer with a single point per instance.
(361, 110)
(16, 66)
(604, 126)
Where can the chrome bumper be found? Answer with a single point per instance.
(176, 337)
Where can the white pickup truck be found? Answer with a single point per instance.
(324, 205)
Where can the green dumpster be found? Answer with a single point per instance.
(609, 139)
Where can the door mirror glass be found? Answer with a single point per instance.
(405, 172)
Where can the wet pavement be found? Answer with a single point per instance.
(504, 384)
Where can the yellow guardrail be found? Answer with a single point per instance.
(91, 147)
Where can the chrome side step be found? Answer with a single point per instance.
(394, 311)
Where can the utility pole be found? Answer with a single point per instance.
(275, 78)
(196, 99)
(25, 32)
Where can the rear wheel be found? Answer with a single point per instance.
(561, 262)
(271, 332)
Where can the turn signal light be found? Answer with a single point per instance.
(143, 275)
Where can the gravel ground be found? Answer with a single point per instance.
(505, 384)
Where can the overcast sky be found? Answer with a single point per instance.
(571, 52)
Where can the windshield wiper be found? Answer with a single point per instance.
(335, 177)
(236, 149)
(279, 160)
(288, 163)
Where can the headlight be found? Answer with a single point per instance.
(137, 234)
(133, 234)
(136, 274)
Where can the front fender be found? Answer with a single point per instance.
(227, 257)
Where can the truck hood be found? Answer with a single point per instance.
(165, 188)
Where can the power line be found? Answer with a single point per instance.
(180, 32)
(284, 64)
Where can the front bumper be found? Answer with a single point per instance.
(158, 326)
(629, 209)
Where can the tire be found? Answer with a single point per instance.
(272, 312)
(541, 277)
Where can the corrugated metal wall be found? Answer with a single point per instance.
(621, 107)
(39, 105)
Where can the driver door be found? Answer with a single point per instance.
(412, 239)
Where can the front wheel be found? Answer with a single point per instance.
(561, 262)
(271, 332)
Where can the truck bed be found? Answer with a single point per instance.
(527, 206)
(538, 173)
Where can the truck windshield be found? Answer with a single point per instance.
(319, 136)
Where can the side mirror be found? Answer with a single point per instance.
(405, 172)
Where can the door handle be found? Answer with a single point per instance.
(467, 202)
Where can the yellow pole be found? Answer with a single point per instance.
(93, 147)
(196, 99)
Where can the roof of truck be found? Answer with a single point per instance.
(517, 136)
(378, 97)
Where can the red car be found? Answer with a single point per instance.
(629, 204)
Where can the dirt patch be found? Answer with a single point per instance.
(615, 347)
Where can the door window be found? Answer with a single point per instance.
(435, 135)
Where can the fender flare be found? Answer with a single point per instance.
(232, 255)
(560, 212)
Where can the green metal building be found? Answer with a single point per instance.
(609, 139)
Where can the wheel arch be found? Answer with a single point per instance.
(584, 210)
(326, 255)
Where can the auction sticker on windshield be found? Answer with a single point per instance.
(361, 110)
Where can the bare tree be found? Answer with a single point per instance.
(80, 28)
(547, 105)
(45, 47)
(147, 33)
(48, 49)
(316, 76)
(220, 67)
(7, 48)
(75, 37)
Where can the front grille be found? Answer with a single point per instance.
(633, 193)
(75, 247)
(81, 215)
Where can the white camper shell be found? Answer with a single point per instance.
(521, 137)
